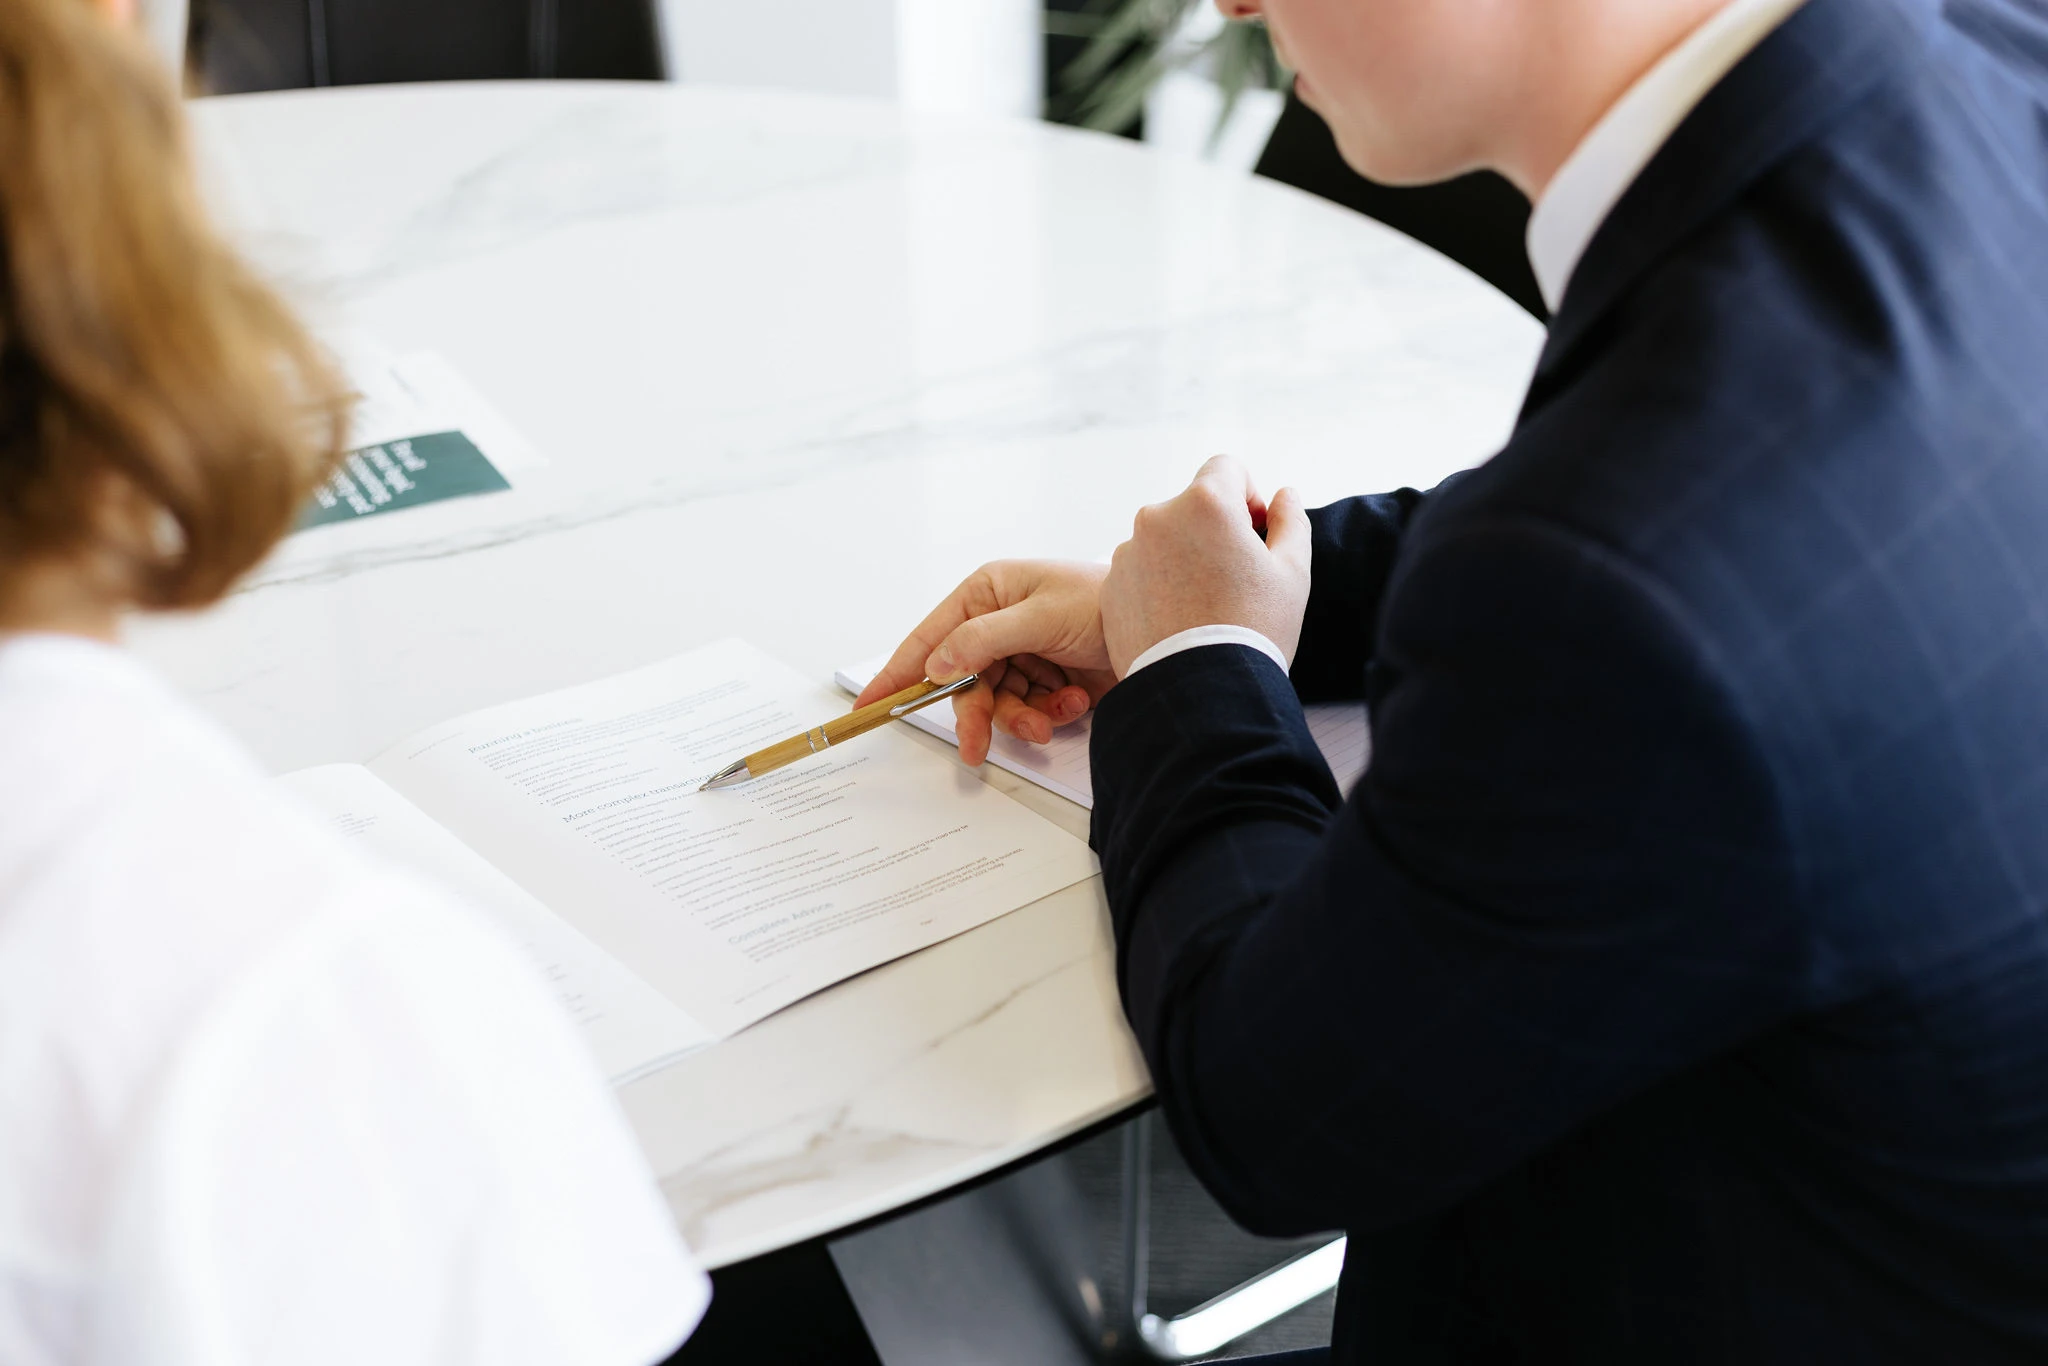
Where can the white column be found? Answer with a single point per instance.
(971, 56)
(829, 47)
(968, 56)
(164, 21)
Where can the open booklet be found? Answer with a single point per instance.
(667, 917)
(420, 433)
(1061, 765)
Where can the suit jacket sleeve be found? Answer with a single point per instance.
(1354, 543)
(1562, 878)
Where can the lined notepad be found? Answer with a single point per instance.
(1061, 766)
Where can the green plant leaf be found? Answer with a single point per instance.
(1126, 56)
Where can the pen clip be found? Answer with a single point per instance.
(944, 690)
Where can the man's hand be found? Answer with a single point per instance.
(1198, 560)
(1032, 629)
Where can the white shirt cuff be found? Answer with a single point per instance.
(1208, 635)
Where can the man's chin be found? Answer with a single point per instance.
(1386, 164)
(1365, 156)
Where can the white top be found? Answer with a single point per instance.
(1611, 155)
(268, 1102)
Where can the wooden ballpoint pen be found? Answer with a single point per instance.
(836, 731)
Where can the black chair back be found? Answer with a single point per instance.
(240, 45)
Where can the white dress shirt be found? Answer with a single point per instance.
(1582, 193)
(268, 1101)
(1610, 157)
(1210, 635)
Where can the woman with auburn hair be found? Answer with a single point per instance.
(264, 1100)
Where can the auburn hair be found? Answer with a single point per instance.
(161, 410)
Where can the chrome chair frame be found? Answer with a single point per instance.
(1226, 1317)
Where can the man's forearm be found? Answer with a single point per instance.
(1210, 796)
(1547, 896)
(1193, 743)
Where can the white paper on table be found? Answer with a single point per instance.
(1061, 766)
(1344, 735)
(738, 901)
(630, 1028)
(419, 393)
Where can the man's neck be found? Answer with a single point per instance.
(1591, 54)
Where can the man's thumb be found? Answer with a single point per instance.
(980, 641)
(1288, 533)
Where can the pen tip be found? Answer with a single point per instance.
(731, 773)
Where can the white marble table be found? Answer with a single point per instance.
(909, 345)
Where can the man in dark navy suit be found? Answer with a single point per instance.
(1674, 985)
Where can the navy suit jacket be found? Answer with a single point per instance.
(1674, 985)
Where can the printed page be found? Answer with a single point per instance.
(1061, 765)
(735, 902)
(630, 1028)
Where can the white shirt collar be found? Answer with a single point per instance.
(1608, 159)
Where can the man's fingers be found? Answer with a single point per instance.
(1015, 716)
(906, 665)
(1289, 534)
(979, 592)
(1064, 705)
(1007, 609)
(1034, 717)
(1226, 475)
(1230, 484)
(973, 711)
(974, 644)
(1043, 675)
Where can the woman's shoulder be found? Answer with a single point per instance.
(212, 1006)
(136, 836)
(397, 1078)
(146, 867)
